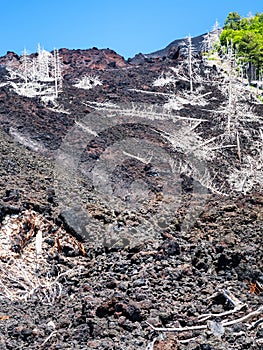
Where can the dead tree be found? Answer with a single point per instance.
(38, 76)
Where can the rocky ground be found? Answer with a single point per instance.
(68, 281)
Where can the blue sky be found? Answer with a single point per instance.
(126, 26)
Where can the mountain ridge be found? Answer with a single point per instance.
(114, 59)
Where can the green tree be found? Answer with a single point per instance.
(232, 21)
(246, 38)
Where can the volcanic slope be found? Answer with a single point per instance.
(132, 264)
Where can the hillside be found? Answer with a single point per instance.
(130, 201)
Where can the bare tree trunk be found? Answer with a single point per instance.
(55, 74)
(190, 63)
(249, 73)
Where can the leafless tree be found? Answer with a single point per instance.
(38, 76)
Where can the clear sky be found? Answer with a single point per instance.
(126, 26)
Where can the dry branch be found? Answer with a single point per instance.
(255, 324)
(201, 327)
(177, 329)
(238, 306)
(49, 337)
(244, 318)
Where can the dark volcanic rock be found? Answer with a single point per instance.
(85, 293)
(82, 60)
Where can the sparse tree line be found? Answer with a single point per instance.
(234, 116)
(37, 75)
(238, 48)
(41, 75)
(243, 38)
